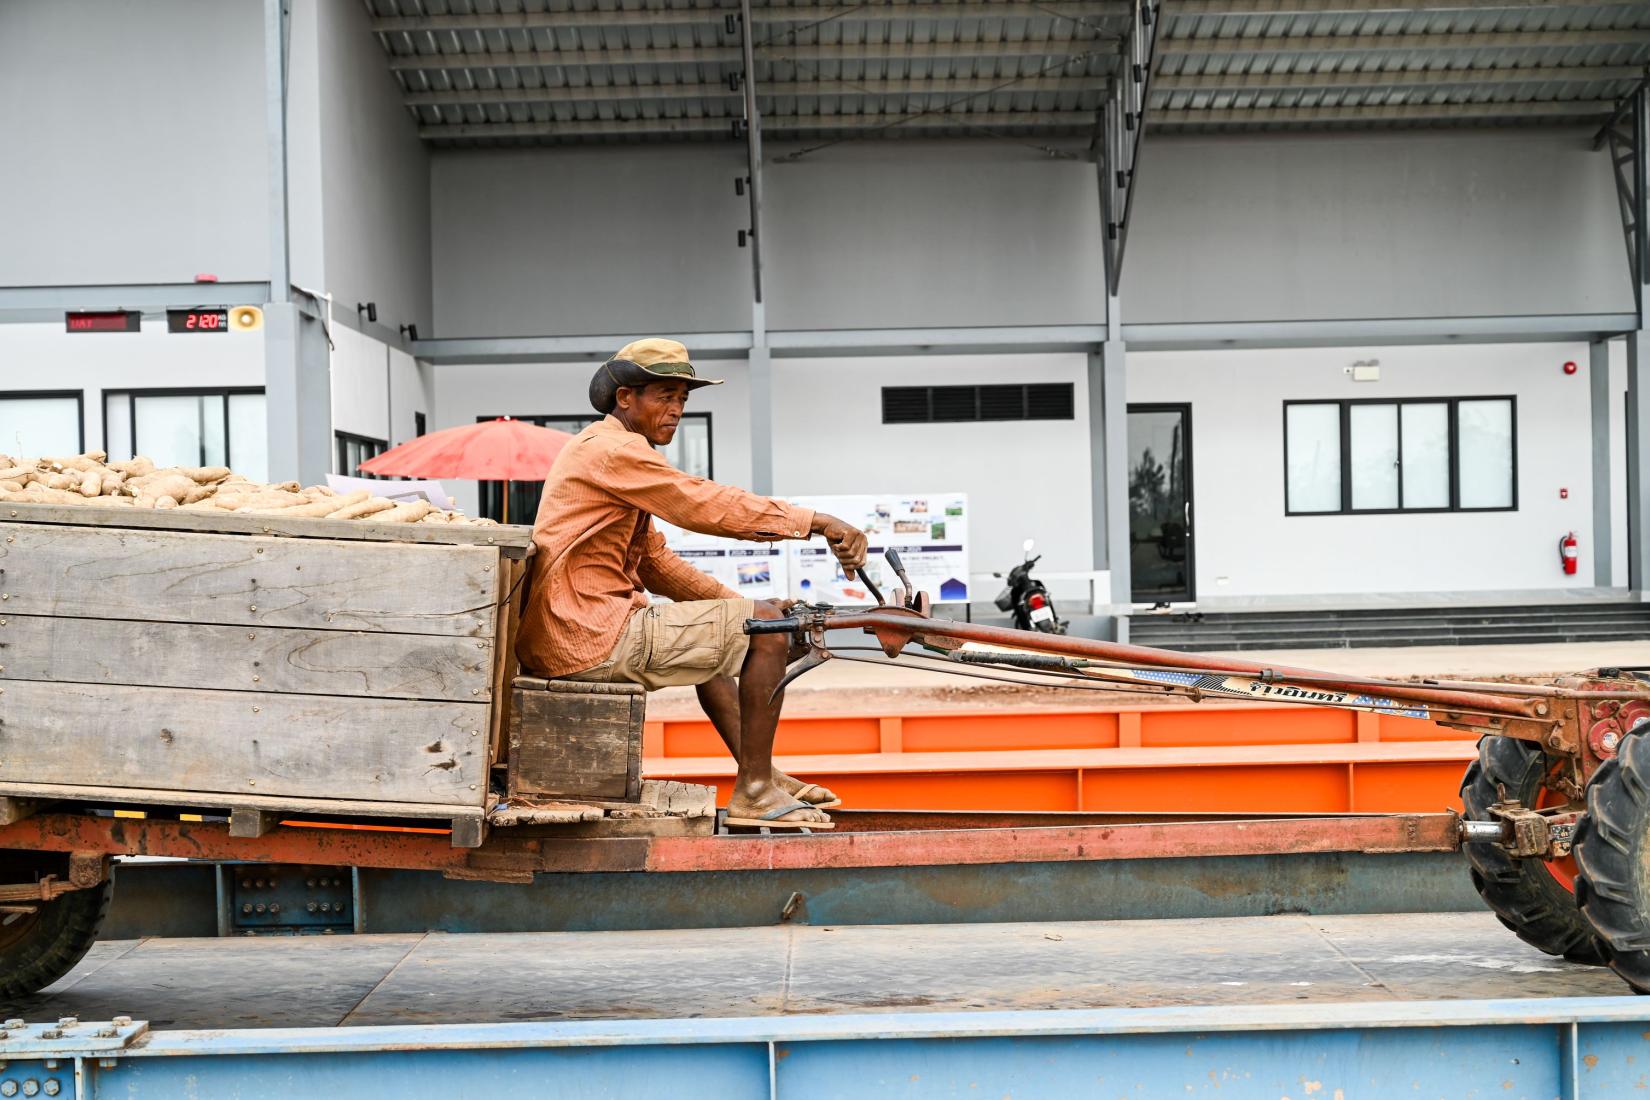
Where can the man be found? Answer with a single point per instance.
(597, 549)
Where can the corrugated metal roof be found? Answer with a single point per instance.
(510, 72)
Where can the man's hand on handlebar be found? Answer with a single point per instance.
(847, 541)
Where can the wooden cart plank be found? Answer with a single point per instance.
(174, 576)
(209, 801)
(239, 658)
(513, 541)
(309, 746)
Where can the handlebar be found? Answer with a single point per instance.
(788, 625)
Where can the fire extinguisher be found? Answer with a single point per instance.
(1567, 553)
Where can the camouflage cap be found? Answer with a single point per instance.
(654, 359)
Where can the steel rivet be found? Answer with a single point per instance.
(254, 710)
(254, 607)
(250, 637)
(472, 786)
(475, 691)
(254, 679)
(252, 782)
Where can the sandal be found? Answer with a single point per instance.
(773, 819)
(813, 794)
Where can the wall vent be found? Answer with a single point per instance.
(957, 404)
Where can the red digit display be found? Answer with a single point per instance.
(121, 320)
(197, 320)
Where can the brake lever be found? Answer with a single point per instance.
(871, 586)
(898, 567)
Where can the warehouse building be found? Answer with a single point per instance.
(1374, 335)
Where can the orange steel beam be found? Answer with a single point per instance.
(1239, 758)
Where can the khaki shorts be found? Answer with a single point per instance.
(677, 645)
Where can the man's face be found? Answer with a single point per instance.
(653, 410)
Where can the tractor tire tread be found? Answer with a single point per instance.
(1521, 893)
(68, 929)
(1618, 809)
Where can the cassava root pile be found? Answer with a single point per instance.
(137, 483)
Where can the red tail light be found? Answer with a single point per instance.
(1036, 601)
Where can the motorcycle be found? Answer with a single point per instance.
(1026, 598)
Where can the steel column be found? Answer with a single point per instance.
(761, 360)
(1109, 474)
(1598, 368)
(1579, 1048)
(1638, 485)
(297, 350)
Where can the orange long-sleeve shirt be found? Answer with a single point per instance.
(597, 549)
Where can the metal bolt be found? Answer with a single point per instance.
(106, 1063)
(256, 710)
(250, 636)
(53, 1088)
(106, 1033)
(309, 882)
(475, 691)
(8, 1088)
(122, 1021)
(255, 679)
(1610, 741)
(246, 907)
(254, 607)
(275, 907)
(260, 549)
(15, 1023)
(252, 782)
(472, 786)
(260, 907)
(52, 1033)
(68, 1021)
(31, 1087)
(311, 907)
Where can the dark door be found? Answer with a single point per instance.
(1160, 503)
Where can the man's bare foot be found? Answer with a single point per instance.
(816, 795)
(753, 805)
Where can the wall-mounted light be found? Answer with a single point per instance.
(1365, 370)
(369, 308)
(410, 331)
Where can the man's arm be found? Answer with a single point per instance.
(639, 476)
(664, 573)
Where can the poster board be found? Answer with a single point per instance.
(930, 531)
(755, 570)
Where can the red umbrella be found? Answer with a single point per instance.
(490, 450)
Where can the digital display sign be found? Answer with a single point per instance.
(197, 320)
(108, 320)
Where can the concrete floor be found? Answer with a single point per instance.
(324, 981)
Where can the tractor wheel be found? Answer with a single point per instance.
(1535, 898)
(38, 948)
(1612, 846)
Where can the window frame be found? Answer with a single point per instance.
(46, 395)
(340, 442)
(225, 392)
(1452, 404)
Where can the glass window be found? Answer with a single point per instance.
(1421, 455)
(1486, 453)
(37, 424)
(1373, 447)
(1426, 454)
(189, 428)
(1312, 442)
(356, 449)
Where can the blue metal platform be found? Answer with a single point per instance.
(1573, 1049)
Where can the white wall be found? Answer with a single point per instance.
(634, 240)
(44, 357)
(132, 140)
(885, 234)
(1413, 224)
(561, 389)
(1246, 547)
(1025, 479)
(375, 175)
(371, 382)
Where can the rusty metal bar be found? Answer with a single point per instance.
(894, 624)
(511, 857)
